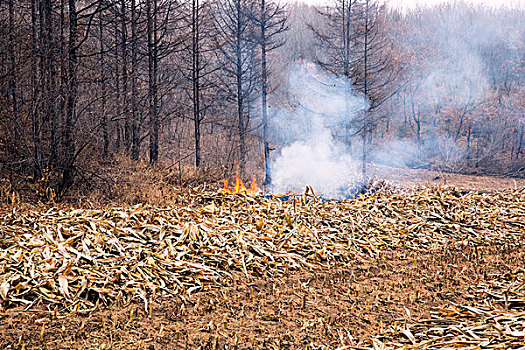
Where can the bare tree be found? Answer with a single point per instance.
(13, 76)
(270, 19)
(103, 86)
(200, 51)
(135, 119)
(239, 64)
(124, 93)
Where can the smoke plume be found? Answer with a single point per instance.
(312, 130)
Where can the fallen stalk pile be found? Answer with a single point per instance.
(496, 320)
(80, 258)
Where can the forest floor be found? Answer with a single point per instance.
(445, 247)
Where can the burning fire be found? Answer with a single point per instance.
(239, 185)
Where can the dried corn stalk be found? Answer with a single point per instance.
(81, 258)
(497, 321)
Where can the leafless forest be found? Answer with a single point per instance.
(205, 84)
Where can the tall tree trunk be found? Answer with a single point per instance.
(152, 81)
(416, 116)
(469, 134)
(50, 72)
(13, 76)
(35, 110)
(365, 89)
(69, 146)
(103, 102)
(347, 17)
(124, 51)
(117, 38)
(156, 121)
(520, 143)
(264, 95)
(63, 88)
(240, 97)
(196, 80)
(135, 131)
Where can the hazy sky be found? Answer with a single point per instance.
(492, 3)
(414, 3)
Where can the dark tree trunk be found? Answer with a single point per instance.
(239, 83)
(117, 38)
(520, 143)
(271, 20)
(365, 89)
(347, 17)
(135, 131)
(47, 68)
(469, 134)
(416, 117)
(124, 93)
(156, 121)
(264, 95)
(13, 76)
(35, 110)
(152, 81)
(103, 102)
(63, 88)
(196, 68)
(69, 146)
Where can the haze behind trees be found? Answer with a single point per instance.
(207, 84)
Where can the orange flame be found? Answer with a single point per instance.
(239, 185)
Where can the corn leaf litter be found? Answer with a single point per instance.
(497, 321)
(80, 258)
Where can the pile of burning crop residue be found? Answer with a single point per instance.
(359, 188)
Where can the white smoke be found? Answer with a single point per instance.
(444, 84)
(322, 107)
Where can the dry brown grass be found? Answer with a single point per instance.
(116, 182)
(121, 181)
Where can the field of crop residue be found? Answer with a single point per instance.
(427, 268)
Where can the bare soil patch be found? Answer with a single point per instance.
(412, 177)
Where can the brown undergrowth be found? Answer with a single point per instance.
(114, 182)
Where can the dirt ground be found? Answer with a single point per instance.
(412, 177)
(301, 310)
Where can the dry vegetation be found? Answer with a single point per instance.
(433, 266)
(119, 181)
(98, 251)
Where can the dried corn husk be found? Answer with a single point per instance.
(80, 258)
